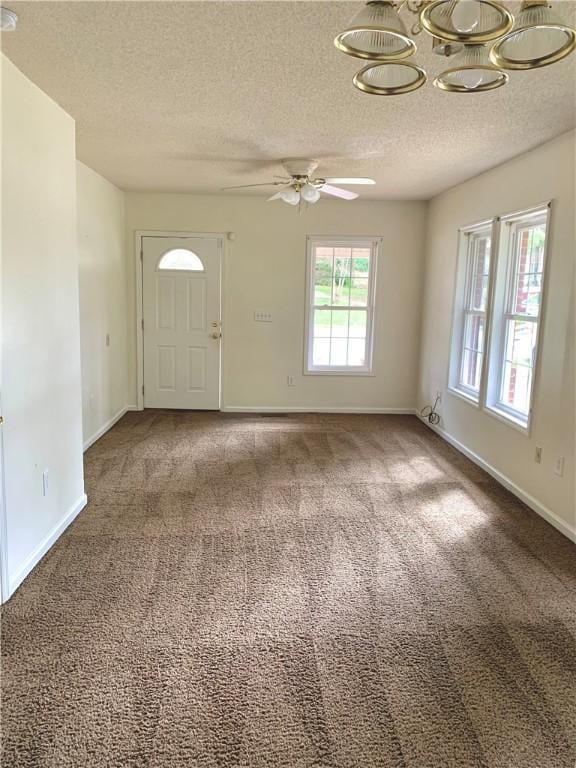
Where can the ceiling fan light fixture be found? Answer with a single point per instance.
(390, 78)
(309, 193)
(539, 37)
(466, 21)
(377, 33)
(290, 196)
(471, 72)
(8, 20)
(445, 48)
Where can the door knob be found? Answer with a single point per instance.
(216, 335)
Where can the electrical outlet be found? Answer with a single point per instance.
(262, 317)
(538, 455)
(45, 482)
(291, 381)
(559, 466)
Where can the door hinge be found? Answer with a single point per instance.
(142, 388)
(141, 255)
(142, 323)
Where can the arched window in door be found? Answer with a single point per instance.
(181, 259)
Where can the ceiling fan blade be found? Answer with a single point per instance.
(349, 180)
(345, 194)
(245, 186)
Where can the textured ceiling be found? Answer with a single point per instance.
(194, 96)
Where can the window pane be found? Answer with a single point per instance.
(357, 327)
(341, 291)
(322, 319)
(323, 261)
(181, 259)
(519, 354)
(480, 273)
(321, 352)
(344, 253)
(360, 262)
(323, 255)
(341, 284)
(516, 387)
(529, 266)
(471, 369)
(323, 292)
(359, 292)
(520, 341)
(338, 350)
(474, 333)
(340, 323)
(356, 352)
(528, 290)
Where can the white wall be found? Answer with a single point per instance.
(542, 174)
(103, 291)
(40, 324)
(266, 269)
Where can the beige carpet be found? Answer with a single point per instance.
(299, 592)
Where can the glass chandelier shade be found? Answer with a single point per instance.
(466, 21)
(309, 193)
(290, 196)
(390, 79)
(471, 71)
(539, 37)
(377, 33)
(481, 40)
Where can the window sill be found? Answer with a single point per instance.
(337, 372)
(509, 419)
(464, 396)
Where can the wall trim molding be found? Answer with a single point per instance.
(312, 409)
(18, 577)
(108, 425)
(561, 525)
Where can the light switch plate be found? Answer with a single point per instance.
(262, 317)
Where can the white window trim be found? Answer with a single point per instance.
(493, 338)
(374, 243)
(460, 311)
(500, 314)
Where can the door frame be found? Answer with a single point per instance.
(139, 234)
(4, 575)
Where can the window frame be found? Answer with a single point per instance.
(503, 269)
(339, 241)
(461, 311)
(502, 313)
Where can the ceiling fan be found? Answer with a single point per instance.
(302, 186)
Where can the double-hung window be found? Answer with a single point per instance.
(340, 313)
(497, 313)
(516, 314)
(469, 332)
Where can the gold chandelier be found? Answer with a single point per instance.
(481, 37)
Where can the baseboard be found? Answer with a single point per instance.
(310, 409)
(15, 579)
(108, 425)
(564, 527)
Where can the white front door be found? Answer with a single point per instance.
(182, 322)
